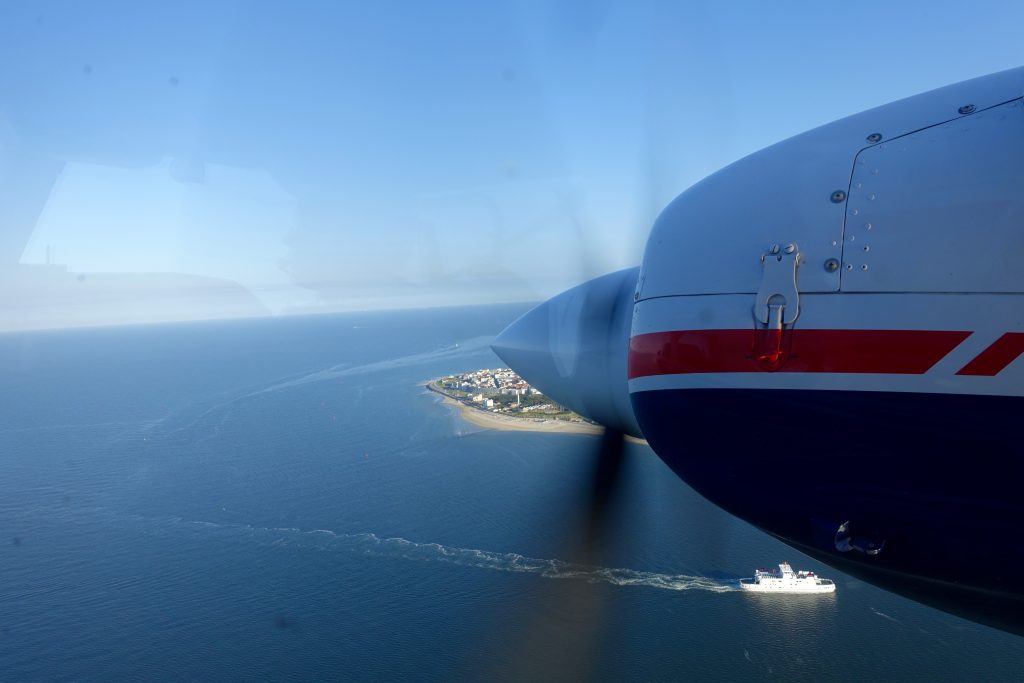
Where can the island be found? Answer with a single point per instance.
(501, 399)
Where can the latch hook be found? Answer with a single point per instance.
(777, 305)
(778, 285)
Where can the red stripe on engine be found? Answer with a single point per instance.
(992, 360)
(899, 352)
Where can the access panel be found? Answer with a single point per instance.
(941, 209)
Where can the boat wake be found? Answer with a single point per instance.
(207, 417)
(401, 548)
(340, 371)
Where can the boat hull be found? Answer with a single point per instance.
(762, 588)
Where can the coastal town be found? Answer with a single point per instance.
(502, 392)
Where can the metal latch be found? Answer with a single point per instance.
(777, 304)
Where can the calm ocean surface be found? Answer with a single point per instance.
(281, 499)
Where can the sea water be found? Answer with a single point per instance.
(283, 499)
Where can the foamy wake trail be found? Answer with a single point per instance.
(338, 371)
(373, 545)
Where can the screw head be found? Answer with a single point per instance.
(874, 137)
(967, 109)
(790, 248)
(832, 265)
(774, 249)
(838, 196)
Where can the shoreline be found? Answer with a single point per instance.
(506, 423)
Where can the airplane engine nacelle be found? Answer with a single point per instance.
(824, 342)
(824, 338)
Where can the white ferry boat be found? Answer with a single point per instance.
(786, 581)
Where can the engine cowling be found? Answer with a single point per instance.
(823, 340)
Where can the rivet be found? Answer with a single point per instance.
(790, 248)
(864, 267)
(849, 266)
(867, 248)
(867, 226)
(967, 109)
(832, 265)
(838, 196)
(874, 137)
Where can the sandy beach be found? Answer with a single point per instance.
(488, 420)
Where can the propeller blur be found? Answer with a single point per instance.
(822, 339)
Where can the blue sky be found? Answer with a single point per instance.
(340, 156)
